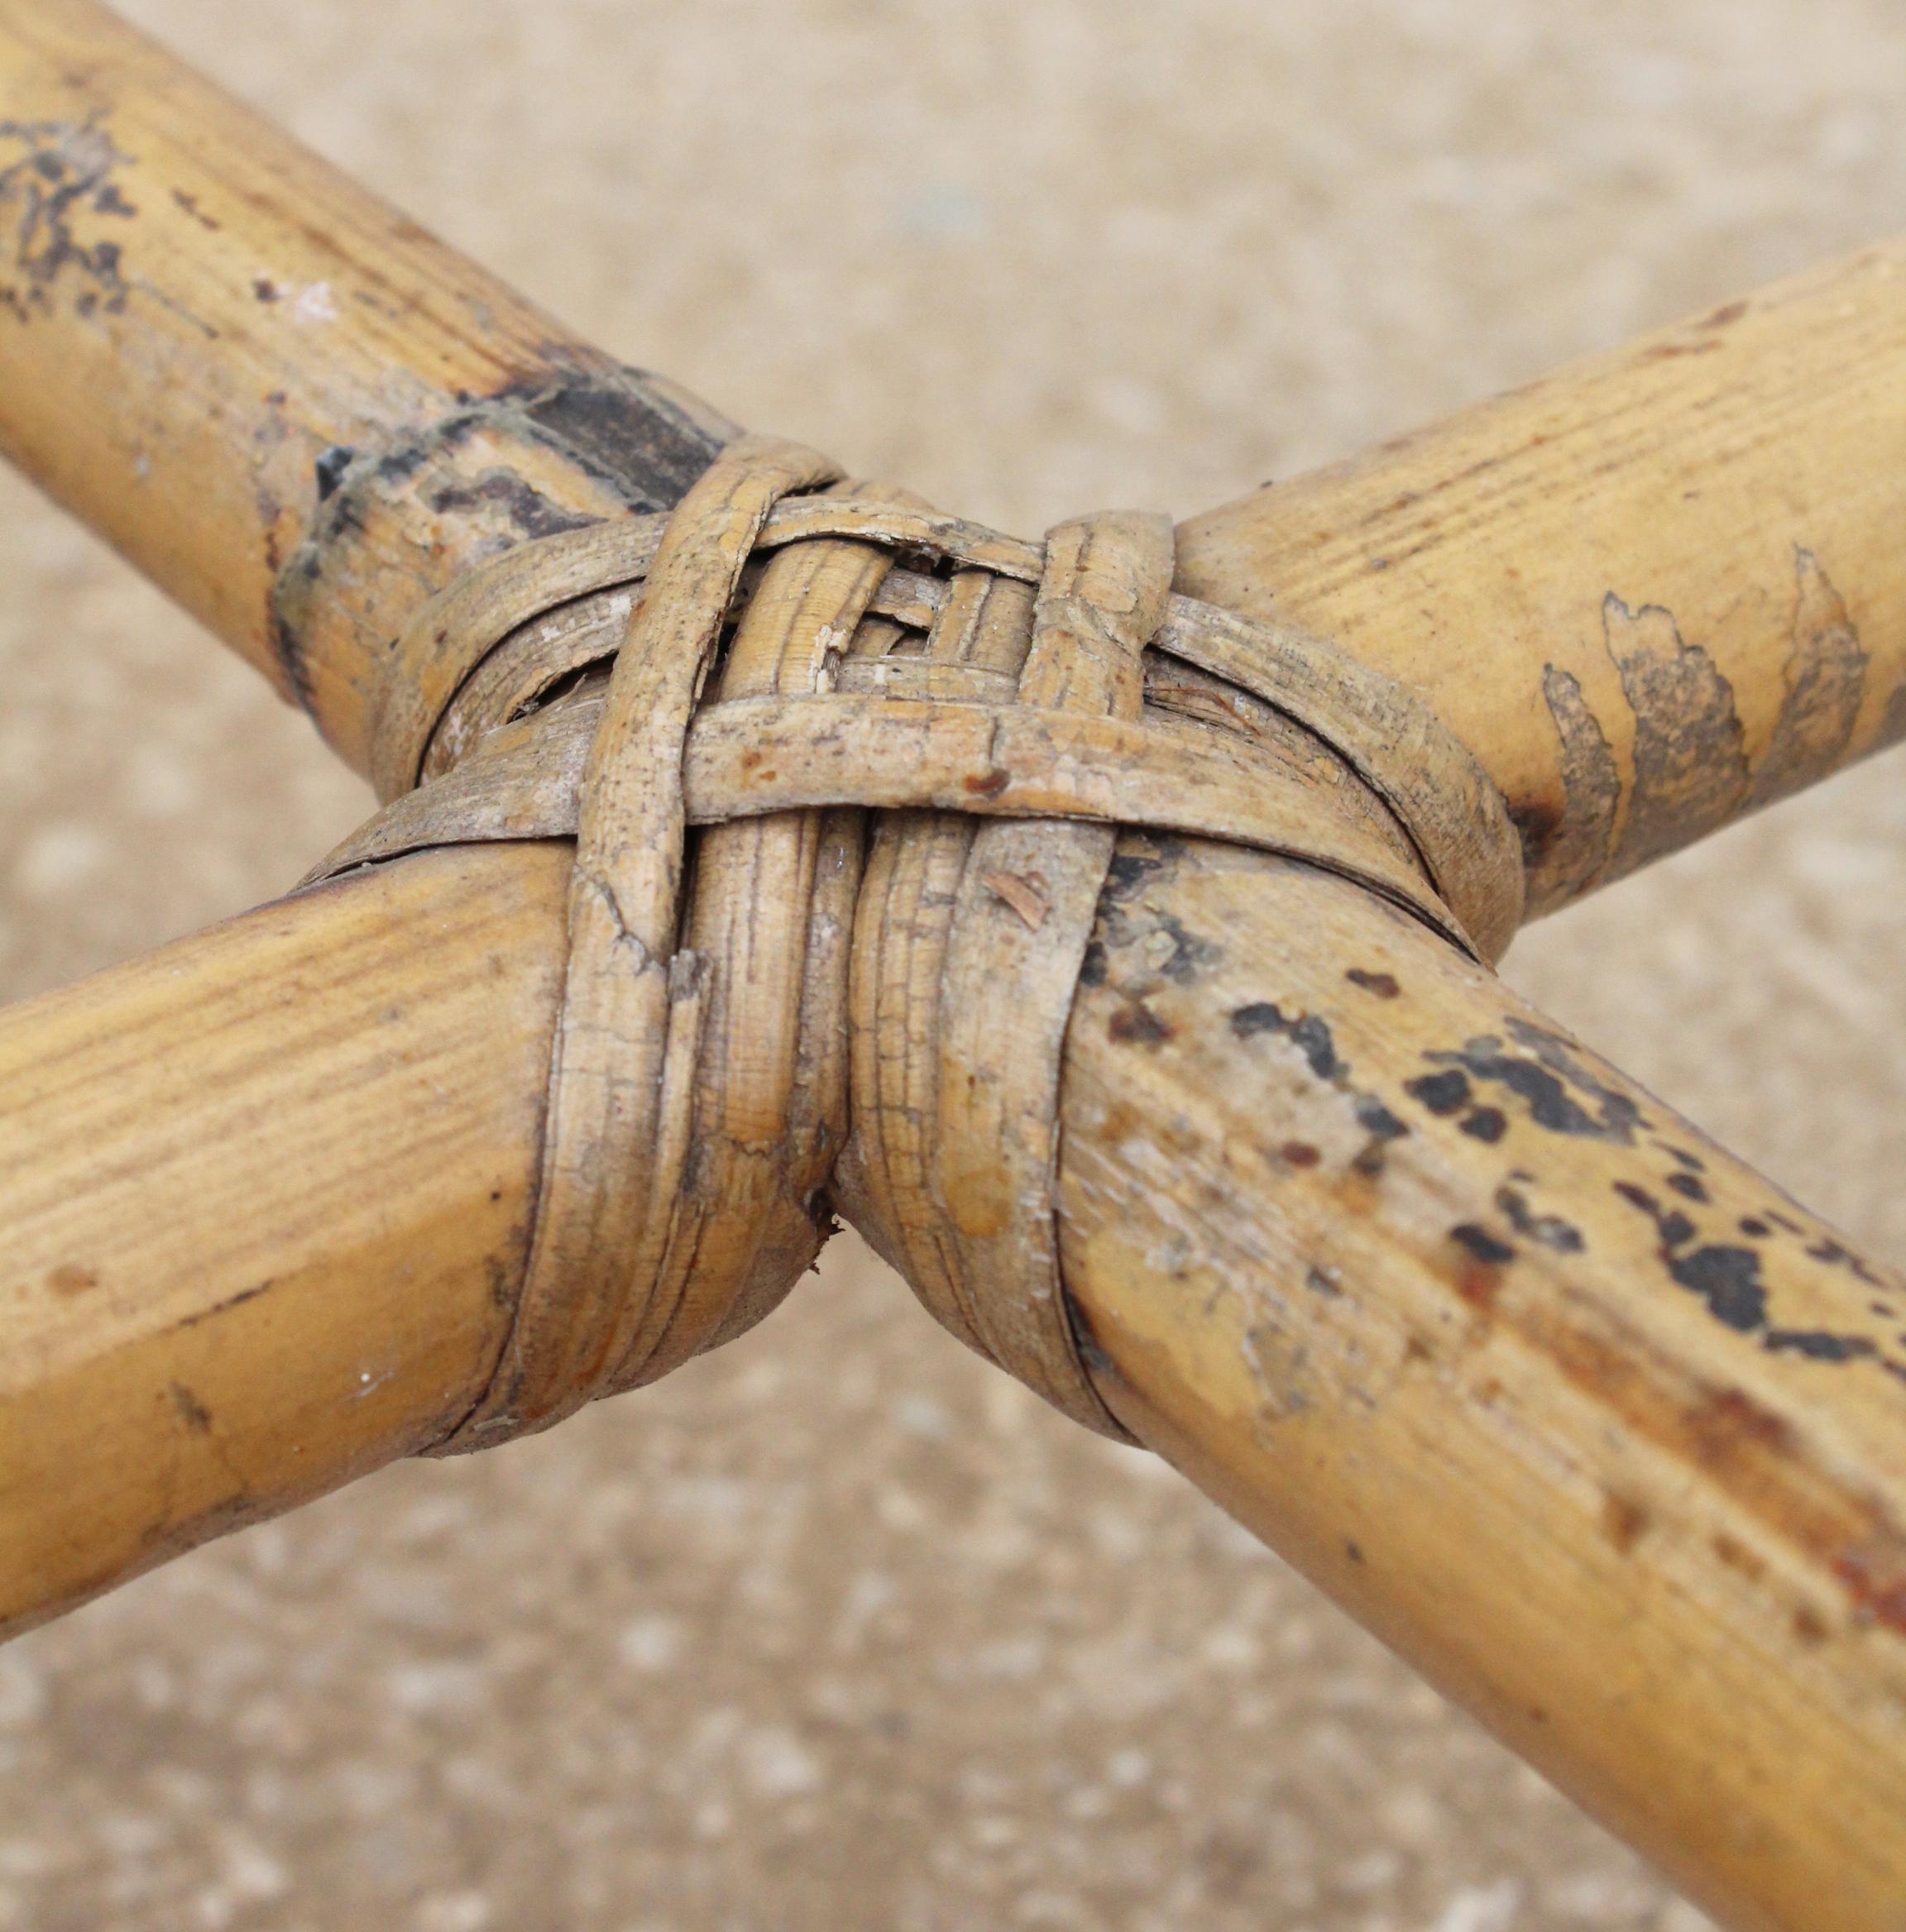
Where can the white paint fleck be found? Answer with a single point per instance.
(315, 303)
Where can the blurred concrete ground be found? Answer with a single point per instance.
(839, 1628)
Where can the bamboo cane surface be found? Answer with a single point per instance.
(1621, 724)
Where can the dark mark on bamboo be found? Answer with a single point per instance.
(530, 513)
(1380, 985)
(1307, 1032)
(1547, 1076)
(1551, 1229)
(230, 1302)
(64, 176)
(1567, 856)
(192, 1412)
(1825, 680)
(1134, 1024)
(1483, 1244)
(330, 467)
(1190, 954)
(1690, 759)
(621, 435)
(1728, 1281)
(1623, 1520)
(189, 203)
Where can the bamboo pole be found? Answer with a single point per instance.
(1653, 592)
(1581, 1416)
(290, 407)
(1650, 592)
(264, 1192)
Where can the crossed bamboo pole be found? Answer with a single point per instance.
(1577, 1412)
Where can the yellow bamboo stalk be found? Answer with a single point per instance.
(265, 1192)
(1651, 593)
(1588, 1420)
(284, 402)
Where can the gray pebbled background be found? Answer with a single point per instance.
(839, 1628)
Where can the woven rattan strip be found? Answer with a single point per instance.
(803, 1009)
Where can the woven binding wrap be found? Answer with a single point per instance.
(801, 1008)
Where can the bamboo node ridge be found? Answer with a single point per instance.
(911, 744)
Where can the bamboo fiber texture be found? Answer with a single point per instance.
(705, 1109)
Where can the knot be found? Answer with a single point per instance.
(911, 743)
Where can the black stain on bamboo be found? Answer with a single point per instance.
(1834, 1254)
(1481, 1261)
(1383, 1126)
(1485, 1246)
(1129, 873)
(1311, 1034)
(623, 436)
(1381, 985)
(1572, 852)
(328, 471)
(1134, 1024)
(1552, 1231)
(1544, 1071)
(1308, 1033)
(1730, 1280)
(1377, 1120)
(1826, 681)
(1692, 770)
(1819, 1344)
(1444, 1093)
(59, 183)
(1189, 955)
(1690, 755)
(529, 512)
